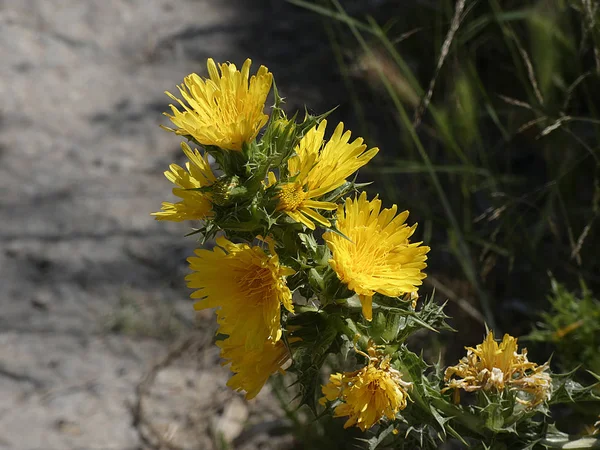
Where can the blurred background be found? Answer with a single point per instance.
(486, 114)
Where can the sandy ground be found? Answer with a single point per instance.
(91, 288)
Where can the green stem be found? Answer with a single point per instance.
(469, 421)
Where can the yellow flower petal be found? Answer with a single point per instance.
(375, 255)
(252, 368)
(318, 168)
(247, 287)
(367, 306)
(493, 367)
(328, 206)
(297, 216)
(314, 215)
(225, 110)
(195, 205)
(369, 394)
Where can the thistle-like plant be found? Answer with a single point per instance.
(308, 275)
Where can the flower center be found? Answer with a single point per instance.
(257, 281)
(373, 386)
(291, 197)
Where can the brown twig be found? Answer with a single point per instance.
(460, 302)
(576, 251)
(515, 102)
(21, 377)
(147, 433)
(460, 6)
(591, 14)
(530, 71)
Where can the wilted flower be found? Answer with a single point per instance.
(247, 287)
(318, 168)
(225, 110)
(195, 205)
(375, 254)
(495, 367)
(369, 394)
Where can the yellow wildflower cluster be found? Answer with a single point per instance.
(495, 367)
(297, 247)
(247, 284)
(369, 394)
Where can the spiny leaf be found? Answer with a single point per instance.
(570, 391)
(374, 442)
(309, 358)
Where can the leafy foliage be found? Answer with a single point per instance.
(572, 326)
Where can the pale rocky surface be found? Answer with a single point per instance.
(91, 288)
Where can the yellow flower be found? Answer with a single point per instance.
(195, 205)
(225, 110)
(368, 394)
(252, 368)
(375, 255)
(247, 287)
(317, 168)
(495, 367)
